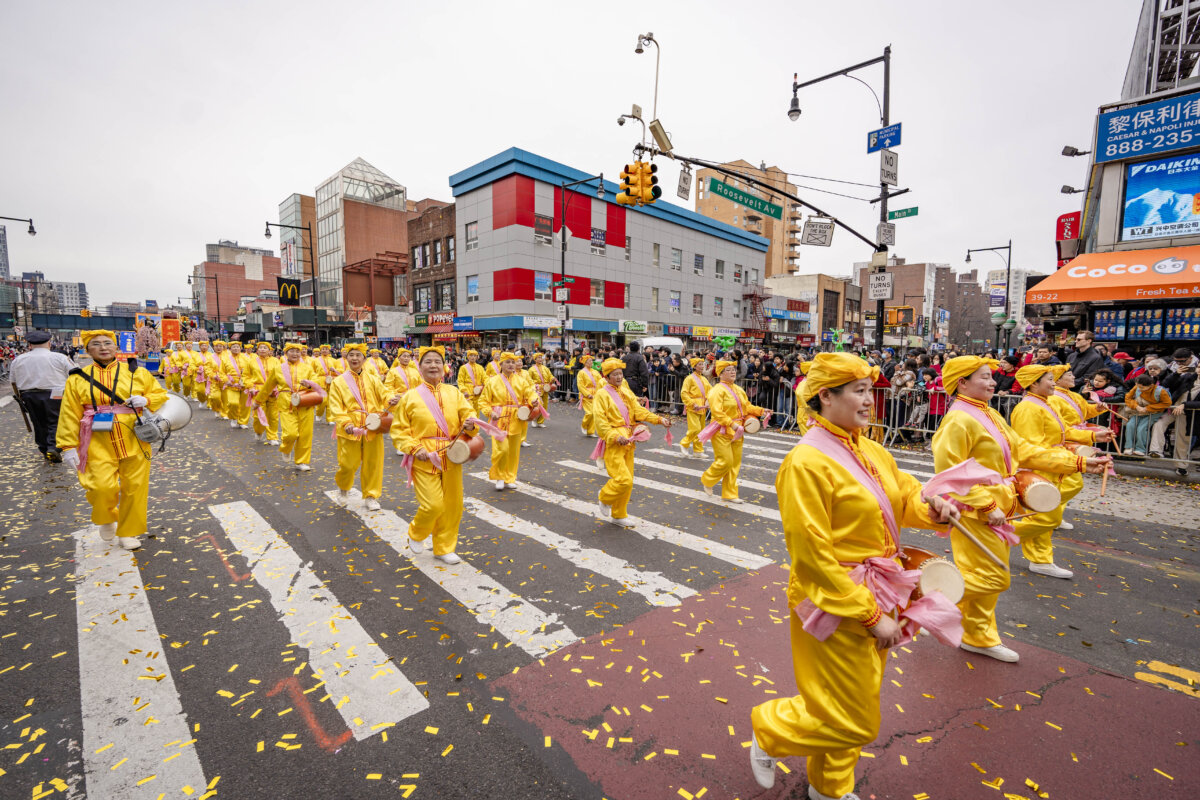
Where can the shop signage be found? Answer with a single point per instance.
(703, 330)
(679, 330)
(463, 323)
(797, 305)
(728, 332)
(543, 225)
(655, 329)
(441, 318)
(420, 320)
(807, 339)
(784, 338)
(535, 323)
(1148, 129)
(597, 237)
(633, 326)
(1160, 198)
(779, 313)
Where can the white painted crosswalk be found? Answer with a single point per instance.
(366, 688)
(136, 739)
(534, 631)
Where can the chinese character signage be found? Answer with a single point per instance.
(679, 330)
(1162, 198)
(543, 225)
(1148, 129)
(541, 282)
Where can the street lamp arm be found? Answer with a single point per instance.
(878, 104)
(877, 60)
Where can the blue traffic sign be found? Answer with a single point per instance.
(884, 137)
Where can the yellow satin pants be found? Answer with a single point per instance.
(836, 711)
(117, 489)
(186, 383)
(1036, 532)
(440, 495)
(216, 399)
(365, 453)
(618, 459)
(174, 384)
(296, 433)
(727, 463)
(695, 423)
(236, 408)
(200, 390)
(985, 581)
(589, 420)
(272, 426)
(506, 455)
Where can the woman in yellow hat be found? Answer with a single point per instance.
(376, 364)
(403, 375)
(292, 375)
(588, 381)
(429, 418)
(1075, 411)
(216, 392)
(617, 411)
(493, 366)
(1036, 420)
(353, 395)
(842, 501)
(543, 381)
(730, 408)
(695, 399)
(502, 395)
(973, 429)
(329, 368)
(96, 437)
(171, 360)
(233, 377)
(471, 378)
(266, 415)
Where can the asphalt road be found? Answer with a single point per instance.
(266, 642)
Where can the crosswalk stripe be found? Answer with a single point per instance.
(696, 473)
(124, 741)
(693, 494)
(780, 437)
(526, 626)
(772, 466)
(904, 464)
(748, 445)
(654, 586)
(366, 689)
(650, 530)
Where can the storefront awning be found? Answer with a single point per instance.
(1169, 273)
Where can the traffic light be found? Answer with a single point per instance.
(85, 312)
(648, 188)
(628, 196)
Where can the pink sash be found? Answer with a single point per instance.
(237, 370)
(1037, 401)
(439, 418)
(362, 407)
(403, 373)
(587, 371)
(714, 427)
(623, 410)
(287, 375)
(820, 439)
(983, 418)
(85, 427)
(700, 381)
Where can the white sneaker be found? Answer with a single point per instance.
(1050, 570)
(762, 765)
(244, 427)
(1065, 526)
(624, 522)
(813, 794)
(583, 430)
(499, 485)
(605, 511)
(525, 443)
(685, 451)
(108, 531)
(594, 435)
(450, 558)
(510, 486)
(415, 546)
(131, 542)
(303, 467)
(737, 501)
(342, 498)
(372, 504)
(998, 652)
(273, 442)
(708, 490)
(233, 423)
(258, 437)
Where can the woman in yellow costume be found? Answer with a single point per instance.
(493, 366)
(233, 375)
(293, 374)
(617, 411)
(429, 419)
(1036, 420)
(190, 357)
(329, 368)
(471, 378)
(352, 396)
(376, 364)
(843, 502)
(216, 386)
(266, 415)
(203, 368)
(973, 429)
(403, 375)
(730, 408)
(502, 395)
(96, 437)
(588, 382)
(1075, 411)
(543, 381)
(170, 367)
(695, 399)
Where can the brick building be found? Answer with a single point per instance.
(229, 273)
(432, 275)
(833, 304)
(783, 253)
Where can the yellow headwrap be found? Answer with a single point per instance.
(538, 356)
(495, 352)
(1058, 370)
(217, 342)
(721, 365)
(961, 367)
(375, 351)
(403, 350)
(509, 357)
(263, 344)
(610, 364)
(830, 370)
(805, 366)
(87, 336)
(360, 347)
(327, 347)
(473, 352)
(694, 361)
(293, 346)
(1029, 374)
(235, 341)
(437, 348)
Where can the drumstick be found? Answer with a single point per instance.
(1104, 483)
(974, 540)
(1022, 516)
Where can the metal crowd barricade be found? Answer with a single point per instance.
(1177, 443)
(566, 391)
(914, 413)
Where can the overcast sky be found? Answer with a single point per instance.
(135, 132)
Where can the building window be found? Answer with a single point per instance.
(472, 236)
(437, 252)
(445, 292)
(697, 304)
(737, 273)
(425, 255)
(654, 255)
(754, 275)
(720, 269)
(423, 299)
(472, 288)
(675, 300)
(676, 259)
(737, 309)
(417, 262)
(654, 298)
(627, 295)
(597, 293)
(541, 285)
(628, 249)
(698, 265)
(450, 248)
(718, 306)
(829, 309)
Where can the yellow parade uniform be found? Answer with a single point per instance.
(540, 375)
(168, 368)
(470, 376)
(187, 366)
(295, 423)
(695, 399)
(588, 381)
(400, 378)
(960, 437)
(439, 492)
(212, 368)
(354, 450)
(1041, 425)
(493, 368)
(330, 368)
(116, 477)
(497, 405)
(1069, 404)
(234, 371)
(618, 458)
(202, 369)
(258, 373)
(727, 452)
(376, 365)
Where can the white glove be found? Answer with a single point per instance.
(137, 401)
(71, 458)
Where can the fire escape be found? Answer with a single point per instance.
(753, 296)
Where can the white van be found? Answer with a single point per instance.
(675, 345)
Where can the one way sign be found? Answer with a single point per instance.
(884, 137)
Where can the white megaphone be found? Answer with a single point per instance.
(157, 426)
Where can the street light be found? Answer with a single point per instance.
(214, 279)
(312, 260)
(1070, 190)
(31, 230)
(562, 231)
(884, 116)
(1074, 151)
(1007, 284)
(643, 40)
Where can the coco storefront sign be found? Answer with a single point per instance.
(1170, 272)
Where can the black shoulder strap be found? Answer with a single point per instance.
(97, 384)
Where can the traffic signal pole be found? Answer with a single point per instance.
(562, 233)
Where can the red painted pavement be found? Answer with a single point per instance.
(962, 723)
